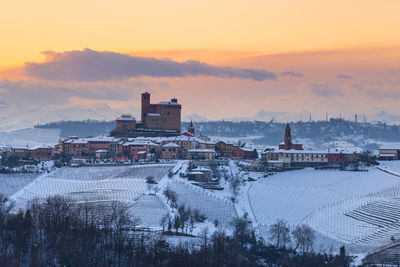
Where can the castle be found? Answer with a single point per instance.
(162, 119)
(163, 116)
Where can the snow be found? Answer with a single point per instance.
(92, 184)
(211, 206)
(331, 202)
(149, 209)
(11, 183)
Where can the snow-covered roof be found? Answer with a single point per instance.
(102, 138)
(19, 147)
(199, 169)
(126, 119)
(140, 143)
(201, 151)
(294, 151)
(40, 147)
(142, 152)
(248, 149)
(168, 103)
(101, 151)
(387, 155)
(171, 145)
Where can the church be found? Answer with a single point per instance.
(287, 142)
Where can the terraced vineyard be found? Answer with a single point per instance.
(11, 183)
(359, 209)
(92, 184)
(211, 206)
(149, 209)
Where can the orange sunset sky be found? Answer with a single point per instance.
(223, 59)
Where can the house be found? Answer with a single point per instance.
(389, 154)
(21, 152)
(243, 153)
(41, 152)
(225, 149)
(296, 157)
(170, 151)
(206, 172)
(201, 154)
(134, 149)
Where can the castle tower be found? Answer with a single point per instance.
(191, 128)
(288, 136)
(145, 106)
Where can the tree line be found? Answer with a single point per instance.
(61, 232)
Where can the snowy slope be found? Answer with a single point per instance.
(91, 184)
(325, 199)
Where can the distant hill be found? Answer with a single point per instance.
(80, 128)
(269, 133)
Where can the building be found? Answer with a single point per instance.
(191, 130)
(389, 154)
(162, 119)
(41, 152)
(225, 149)
(21, 152)
(200, 154)
(170, 151)
(244, 153)
(125, 124)
(164, 115)
(138, 149)
(287, 143)
(296, 157)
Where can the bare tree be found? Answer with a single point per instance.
(165, 220)
(304, 237)
(279, 233)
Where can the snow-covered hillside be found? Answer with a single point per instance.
(354, 208)
(91, 184)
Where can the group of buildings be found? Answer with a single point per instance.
(157, 136)
(292, 155)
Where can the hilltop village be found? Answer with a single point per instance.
(178, 182)
(158, 136)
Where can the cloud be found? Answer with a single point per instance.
(90, 65)
(323, 90)
(292, 73)
(343, 76)
(39, 93)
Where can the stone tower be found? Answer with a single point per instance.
(145, 106)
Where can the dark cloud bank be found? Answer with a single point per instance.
(292, 73)
(89, 65)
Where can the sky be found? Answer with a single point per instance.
(221, 59)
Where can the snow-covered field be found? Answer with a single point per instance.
(11, 183)
(359, 209)
(102, 173)
(91, 184)
(207, 203)
(149, 209)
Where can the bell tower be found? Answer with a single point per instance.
(288, 137)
